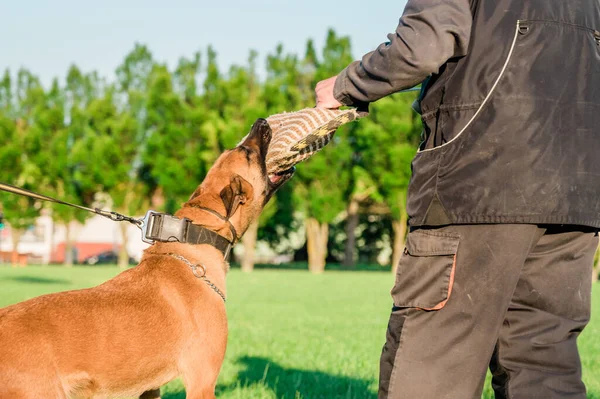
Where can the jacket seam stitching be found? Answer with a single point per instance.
(436, 234)
(562, 23)
(440, 252)
(450, 107)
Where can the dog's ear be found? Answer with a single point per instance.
(235, 194)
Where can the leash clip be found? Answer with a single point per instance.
(145, 225)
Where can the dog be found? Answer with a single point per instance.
(149, 324)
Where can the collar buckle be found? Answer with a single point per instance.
(145, 225)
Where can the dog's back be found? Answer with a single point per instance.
(108, 329)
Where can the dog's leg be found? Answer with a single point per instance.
(200, 381)
(153, 394)
(208, 393)
(201, 386)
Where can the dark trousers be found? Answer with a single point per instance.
(511, 297)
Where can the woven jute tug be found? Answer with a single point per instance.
(299, 135)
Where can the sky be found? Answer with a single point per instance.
(48, 36)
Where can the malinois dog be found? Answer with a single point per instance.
(163, 319)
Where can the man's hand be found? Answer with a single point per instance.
(324, 94)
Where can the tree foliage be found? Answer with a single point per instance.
(150, 137)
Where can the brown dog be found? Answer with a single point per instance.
(149, 324)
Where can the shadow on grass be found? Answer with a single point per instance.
(289, 383)
(37, 280)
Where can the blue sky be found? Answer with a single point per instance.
(47, 36)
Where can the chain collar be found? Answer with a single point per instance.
(199, 270)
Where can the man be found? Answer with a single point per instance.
(504, 201)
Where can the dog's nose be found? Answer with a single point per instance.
(261, 127)
(260, 135)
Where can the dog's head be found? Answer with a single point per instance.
(238, 186)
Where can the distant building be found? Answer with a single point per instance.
(44, 242)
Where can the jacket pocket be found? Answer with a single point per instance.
(425, 274)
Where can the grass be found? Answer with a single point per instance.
(292, 335)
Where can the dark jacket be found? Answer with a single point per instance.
(511, 113)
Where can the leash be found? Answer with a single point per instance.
(114, 216)
(155, 226)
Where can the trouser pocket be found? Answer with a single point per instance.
(425, 274)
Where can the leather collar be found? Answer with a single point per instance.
(167, 228)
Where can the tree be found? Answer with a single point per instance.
(19, 134)
(387, 142)
(132, 77)
(108, 156)
(320, 199)
(361, 188)
(171, 145)
(153, 135)
(53, 152)
(114, 133)
(64, 117)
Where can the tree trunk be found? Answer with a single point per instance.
(316, 241)
(400, 228)
(123, 254)
(351, 225)
(52, 240)
(323, 241)
(68, 245)
(249, 241)
(16, 238)
(158, 199)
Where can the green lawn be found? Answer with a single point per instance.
(292, 334)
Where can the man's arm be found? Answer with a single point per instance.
(429, 34)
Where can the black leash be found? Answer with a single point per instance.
(155, 226)
(114, 216)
